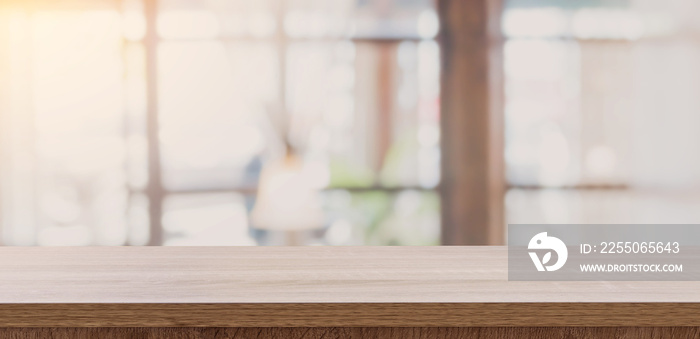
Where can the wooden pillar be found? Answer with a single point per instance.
(386, 94)
(4, 115)
(155, 191)
(473, 179)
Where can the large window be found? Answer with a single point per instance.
(602, 111)
(132, 122)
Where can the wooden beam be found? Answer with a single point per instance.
(4, 115)
(472, 122)
(386, 94)
(155, 189)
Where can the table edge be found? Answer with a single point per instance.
(570, 314)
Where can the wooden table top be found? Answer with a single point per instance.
(314, 286)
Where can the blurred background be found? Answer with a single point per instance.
(310, 122)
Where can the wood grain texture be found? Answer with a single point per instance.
(314, 286)
(351, 314)
(295, 275)
(359, 333)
